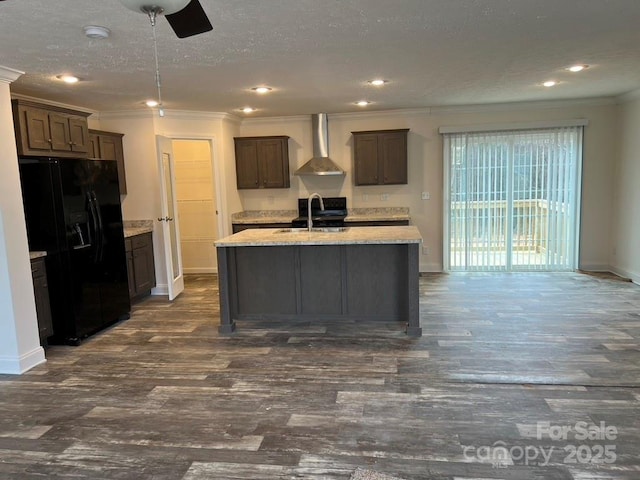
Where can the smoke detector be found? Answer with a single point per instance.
(96, 31)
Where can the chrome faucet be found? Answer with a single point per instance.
(310, 220)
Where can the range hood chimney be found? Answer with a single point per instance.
(320, 164)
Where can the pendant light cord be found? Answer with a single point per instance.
(152, 19)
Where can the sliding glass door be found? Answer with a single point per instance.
(512, 199)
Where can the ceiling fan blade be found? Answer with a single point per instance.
(191, 20)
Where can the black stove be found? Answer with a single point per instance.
(333, 215)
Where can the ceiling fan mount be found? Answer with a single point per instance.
(186, 17)
(157, 6)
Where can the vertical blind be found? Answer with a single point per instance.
(512, 199)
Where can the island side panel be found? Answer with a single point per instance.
(321, 280)
(227, 323)
(413, 291)
(377, 281)
(266, 280)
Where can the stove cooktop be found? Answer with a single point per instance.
(333, 215)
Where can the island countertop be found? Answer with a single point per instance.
(351, 236)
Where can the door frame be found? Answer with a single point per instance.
(218, 173)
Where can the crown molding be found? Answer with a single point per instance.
(52, 103)
(450, 109)
(629, 96)
(169, 114)
(9, 75)
(274, 120)
(512, 106)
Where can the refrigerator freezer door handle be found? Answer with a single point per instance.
(96, 229)
(96, 206)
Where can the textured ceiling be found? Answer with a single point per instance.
(318, 54)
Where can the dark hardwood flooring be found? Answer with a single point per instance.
(164, 396)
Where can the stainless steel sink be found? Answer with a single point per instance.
(313, 230)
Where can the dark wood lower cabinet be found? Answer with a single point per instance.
(140, 265)
(41, 293)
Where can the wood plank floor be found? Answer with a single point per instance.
(505, 363)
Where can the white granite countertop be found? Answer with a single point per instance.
(264, 216)
(137, 227)
(34, 255)
(351, 236)
(379, 214)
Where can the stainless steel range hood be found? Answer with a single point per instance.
(320, 164)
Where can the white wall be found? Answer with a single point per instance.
(626, 208)
(20, 347)
(425, 165)
(143, 200)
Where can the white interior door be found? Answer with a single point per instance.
(169, 218)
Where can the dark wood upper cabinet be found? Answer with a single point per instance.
(46, 130)
(380, 157)
(262, 162)
(108, 146)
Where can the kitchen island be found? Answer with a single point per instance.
(364, 273)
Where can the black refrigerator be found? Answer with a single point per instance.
(72, 211)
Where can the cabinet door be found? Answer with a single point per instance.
(37, 123)
(41, 295)
(272, 164)
(94, 146)
(247, 164)
(131, 274)
(79, 135)
(366, 159)
(107, 147)
(43, 307)
(392, 154)
(59, 128)
(119, 152)
(143, 273)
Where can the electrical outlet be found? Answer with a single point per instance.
(384, 197)
(270, 199)
(426, 196)
(365, 197)
(425, 250)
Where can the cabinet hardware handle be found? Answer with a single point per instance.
(49, 141)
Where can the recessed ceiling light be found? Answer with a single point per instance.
(248, 110)
(577, 68)
(362, 103)
(96, 31)
(377, 82)
(68, 78)
(151, 103)
(550, 83)
(261, 89)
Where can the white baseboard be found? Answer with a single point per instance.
(633, 276)
(19, 365)
(160, 290)
(430, 268)
(596, 267)
(200, 270)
